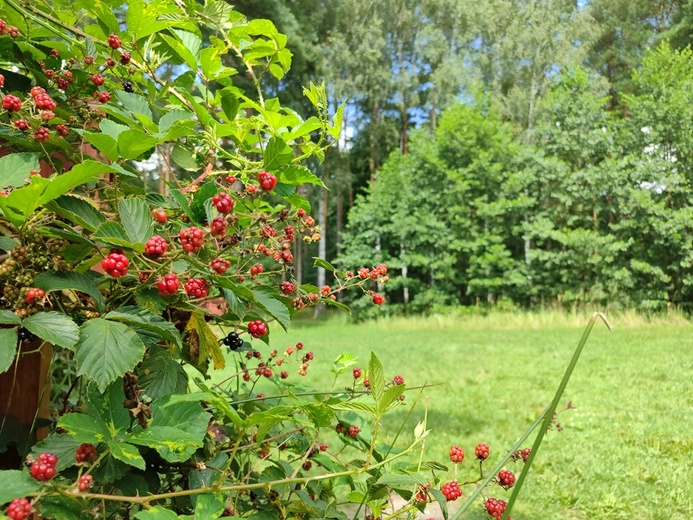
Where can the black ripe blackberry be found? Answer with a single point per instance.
(128, 86)
(25, 335)
(233, 341)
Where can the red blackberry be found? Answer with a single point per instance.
(456, 454)
(495, 508)
(257, 328)
(104, 97)
(256, 269)
(21, 124)
(218, 226)
(353, 430)
(97, 79)
(220, 265)
(11, 103)
(398, 380)
(506, 479)
(85, 482)
(115, 264)
(42, 134)
(19, 509)
(158, 214)
(169, 285)
(44, 467)
(357, 372)
(114, 42)
(125, 58)
(223, 202)
(196, 287)
(481, 451)
(62, 130)
(288, 287)
(155, 246)
(85, 453)
(451, 490)
(191, 239)
(267, 180)
(378, 299)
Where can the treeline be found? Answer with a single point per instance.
(535, 152)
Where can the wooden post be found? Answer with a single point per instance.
(24, 397)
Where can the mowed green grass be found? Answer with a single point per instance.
(627, 447)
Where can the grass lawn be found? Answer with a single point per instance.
(627, 447)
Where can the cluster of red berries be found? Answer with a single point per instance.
(19, 509)
(456, 454)
(287, 287)
(506, 479)
(267, 180)
(85, 453)
(220, 265)
(451, 491)
(116, 264)
(34, 294)
(191, 239)
(11, 30)
(155, 246)
(495, 508)
(218, 226)
(257, 328)
(44, 467)
(196, 287)
(169, 285)
(160, 215)
(481, 451)
(224, 203)
(85, 482)
(114, 42)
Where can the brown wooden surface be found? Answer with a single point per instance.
(24, 397)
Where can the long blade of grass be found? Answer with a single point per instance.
(548, 415)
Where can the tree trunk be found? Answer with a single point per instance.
(24, 397)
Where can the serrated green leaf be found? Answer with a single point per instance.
(296, 175)
(112, 233)
(108, 406)
(133, 143)
(266, 298)
(229, 104)
(61, 507)
(16, 484)
(298, 202)
(376, 374)
(51, 281)
(112, 129)
(7, 243)
(184, 158)
(157, 513)
(210, 505)
(127, 453)
(87, 171)
(319, 262)
(354, 406)
(8, 317)
(54, 327)
(390, 396)
(78, 210)
(15, 168)
(162, 375)
(106, 350)
(171, 117)
(104, 143)
(442, 501)
(402, 480)
(211, 399)
(136, 218)
(135, 103)
(277, 154)
(85, 428)
(172, 444)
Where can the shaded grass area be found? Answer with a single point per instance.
(626, 448)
